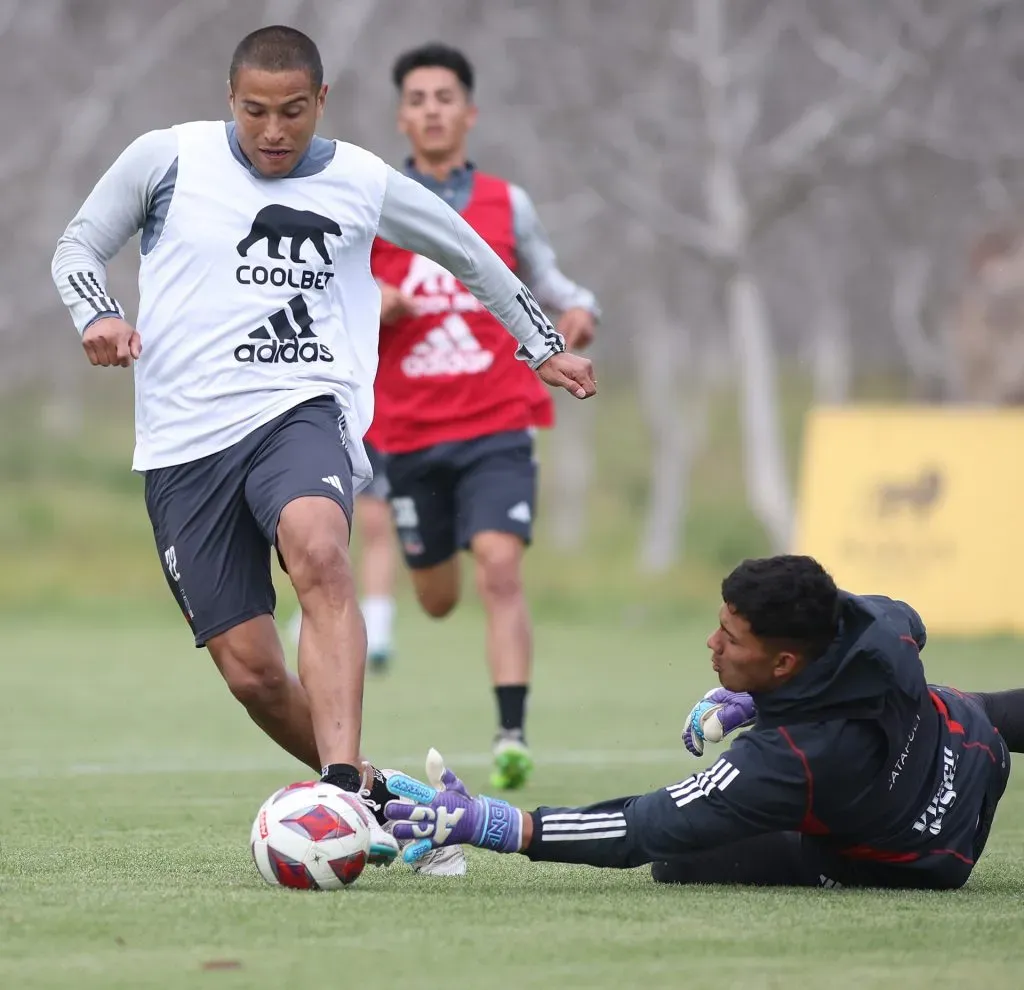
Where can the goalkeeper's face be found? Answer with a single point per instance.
(745, 662)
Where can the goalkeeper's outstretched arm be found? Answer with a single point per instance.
(734, 799)
(755, 788)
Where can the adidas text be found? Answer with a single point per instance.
(288, 352)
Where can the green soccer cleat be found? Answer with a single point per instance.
(512, 762)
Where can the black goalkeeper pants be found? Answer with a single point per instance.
(789, 859)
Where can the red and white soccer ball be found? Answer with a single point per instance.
(311, 836)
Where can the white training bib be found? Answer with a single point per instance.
(257, 296)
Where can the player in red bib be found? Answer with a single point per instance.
(455, 411)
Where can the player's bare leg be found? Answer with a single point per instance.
(499, 565)
(251, 661)
(438, 587)
(312, 536)
(377, 565)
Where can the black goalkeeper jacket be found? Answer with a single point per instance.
(858, 752)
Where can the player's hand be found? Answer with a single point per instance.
(395, 304)
(717, 714)
(112, 342)
(448, 815)
(569, 371)
(577, 327)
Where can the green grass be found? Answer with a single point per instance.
(130, 779)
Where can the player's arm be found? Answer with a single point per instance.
(113, 213)
(538, 265)
(758, 786)
(417, 220)
(741, 795)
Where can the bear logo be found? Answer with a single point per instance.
(275, 221)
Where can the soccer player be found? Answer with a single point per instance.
(856, 772)
(254, 357)
(455, 412)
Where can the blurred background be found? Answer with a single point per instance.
(783, 205)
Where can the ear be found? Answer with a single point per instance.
(471, 116)
(231, 96)
(786, 664)
(321, 101)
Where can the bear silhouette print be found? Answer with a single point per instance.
(275, 221)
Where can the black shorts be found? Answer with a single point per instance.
(379, 488)
(442, 496)
(215, 519)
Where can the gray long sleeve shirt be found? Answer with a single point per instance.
(136, 192)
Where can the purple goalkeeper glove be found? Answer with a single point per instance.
(717, 714)
(428, 817)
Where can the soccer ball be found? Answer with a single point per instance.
(311, 836)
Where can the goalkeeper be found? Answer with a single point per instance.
(855, 772)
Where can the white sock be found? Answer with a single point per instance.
(295, 626)
(378, 614)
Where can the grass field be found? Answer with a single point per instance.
(130, 778)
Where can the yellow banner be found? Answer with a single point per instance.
(920, 503)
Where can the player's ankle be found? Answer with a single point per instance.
(343, 775)
(511, 700)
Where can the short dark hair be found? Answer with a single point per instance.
(278, 48)
(434, 54)
(789, 599)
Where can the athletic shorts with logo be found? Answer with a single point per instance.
(215, 519)
(379, 488)
(442, 496)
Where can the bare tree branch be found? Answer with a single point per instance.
(746, 113)
(911, 271)
(751, 55)
(645, 201)
(791, 151)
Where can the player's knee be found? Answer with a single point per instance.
(321, 563)
(437, 587)
(499, 574)
(259, 687)
(437, 602)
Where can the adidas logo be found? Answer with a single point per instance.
(450, 349)
(520, 512)
(288, 340)
(334, 481)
